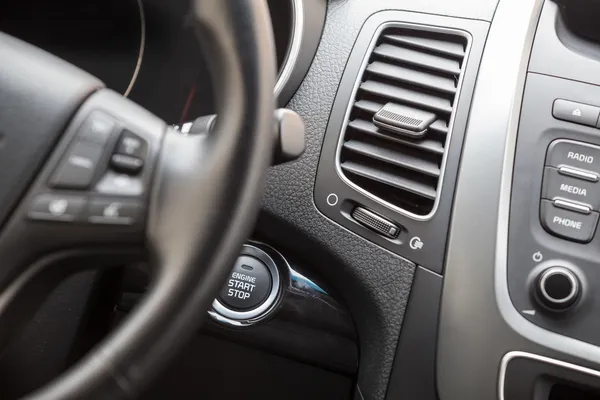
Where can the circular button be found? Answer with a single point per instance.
(558, 288)
(248, 286)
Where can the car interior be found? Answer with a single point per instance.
(300, 199)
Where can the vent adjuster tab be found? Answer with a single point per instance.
(404, 120)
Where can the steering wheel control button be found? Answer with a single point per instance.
(557, 288)
(565, 187)
(132, 145)
(578, 113)
(248, 286)
(567, 224)
(78, 166)
(115, 184)
(113, 211)
(126, 164)
(53, 207)
(98, 128)
(574, 154)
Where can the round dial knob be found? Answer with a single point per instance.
(557, 288)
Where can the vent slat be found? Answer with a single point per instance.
(413, 77)
(451, 49)
(417, 71)
(439, 126)
(388, 179)
(368, 106)
(367, 127)
(407, 96)
(418, 58)
(399, 159)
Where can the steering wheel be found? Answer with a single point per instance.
(88, 179)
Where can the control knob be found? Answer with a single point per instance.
(557, 288)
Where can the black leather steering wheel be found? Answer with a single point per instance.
(90, 179)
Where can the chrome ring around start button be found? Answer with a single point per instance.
(253, 251)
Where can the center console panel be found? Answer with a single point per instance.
(554, 249)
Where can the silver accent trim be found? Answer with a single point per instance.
(351, 102)
(577, 173)
(293, 52)
(289, 61)
(512, 317)
(228, 321)
(224, 311)
(186, 127)
(138, 65)
(567, 205)
(508, 357)
(559, 271)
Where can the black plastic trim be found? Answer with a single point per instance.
(413, 373)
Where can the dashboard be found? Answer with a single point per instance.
(438, 237)
(144, 49)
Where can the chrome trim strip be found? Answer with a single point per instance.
(186, 127)
(567, 205)
(562, 271)
(577, 173)
(138, 65)
(293, 53)
(291, 57)
(358, 80)
(521, 354)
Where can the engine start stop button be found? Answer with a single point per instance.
(248, 285)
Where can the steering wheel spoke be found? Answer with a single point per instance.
(87, 207)
(86, 196)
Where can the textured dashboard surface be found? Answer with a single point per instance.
(374, 283)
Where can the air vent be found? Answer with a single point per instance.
(415, 74)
